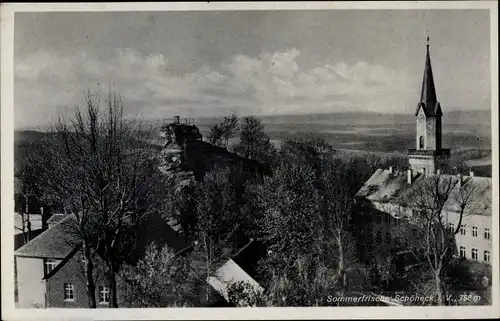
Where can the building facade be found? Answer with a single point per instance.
(50, 268)
(388, 199)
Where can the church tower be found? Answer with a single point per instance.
(428, 156)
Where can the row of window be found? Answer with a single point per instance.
(388, 239)
(463, 230)
(474, 254)
(69, 293)
(387, 219)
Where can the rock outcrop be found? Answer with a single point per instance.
(185, 158)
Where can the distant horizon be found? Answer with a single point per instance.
(35, 128)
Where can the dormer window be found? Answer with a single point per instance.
(49, 265)
(421, 142)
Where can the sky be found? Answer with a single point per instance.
(208, 63)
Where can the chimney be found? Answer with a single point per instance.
(460, 179)
(471, 173)
(44, 218)
(410, 176)
(390, 170)
(177, 119)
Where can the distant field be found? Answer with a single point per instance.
(376, 132)
(365, 132)
(467, 134)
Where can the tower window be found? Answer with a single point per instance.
(421, 142)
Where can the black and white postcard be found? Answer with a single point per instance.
(223, 160)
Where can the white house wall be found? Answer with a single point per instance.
(481, 222)
(31, 286)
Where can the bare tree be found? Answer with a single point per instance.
(28, 185)
(26, 190)
(436, 202)
(98, 165)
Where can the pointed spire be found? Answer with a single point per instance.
(428, 94)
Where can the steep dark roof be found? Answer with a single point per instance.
(56, 242)
(59, 240)
(428, 97)
(154, 228)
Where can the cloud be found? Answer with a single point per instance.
(47, 83)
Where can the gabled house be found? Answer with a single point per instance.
(239, 271)
(50, 267)
(384, 197)
(36, 260)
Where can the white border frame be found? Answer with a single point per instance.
(9, 312)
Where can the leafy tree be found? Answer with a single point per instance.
(336, 184)
(160, 279)
(243, 294)
(217, 225)
(307, 282)
(306, 151)
(290, 222)
(221, 132)
(254, 142)
(456, 164)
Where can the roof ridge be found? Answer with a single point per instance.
(40, 237)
